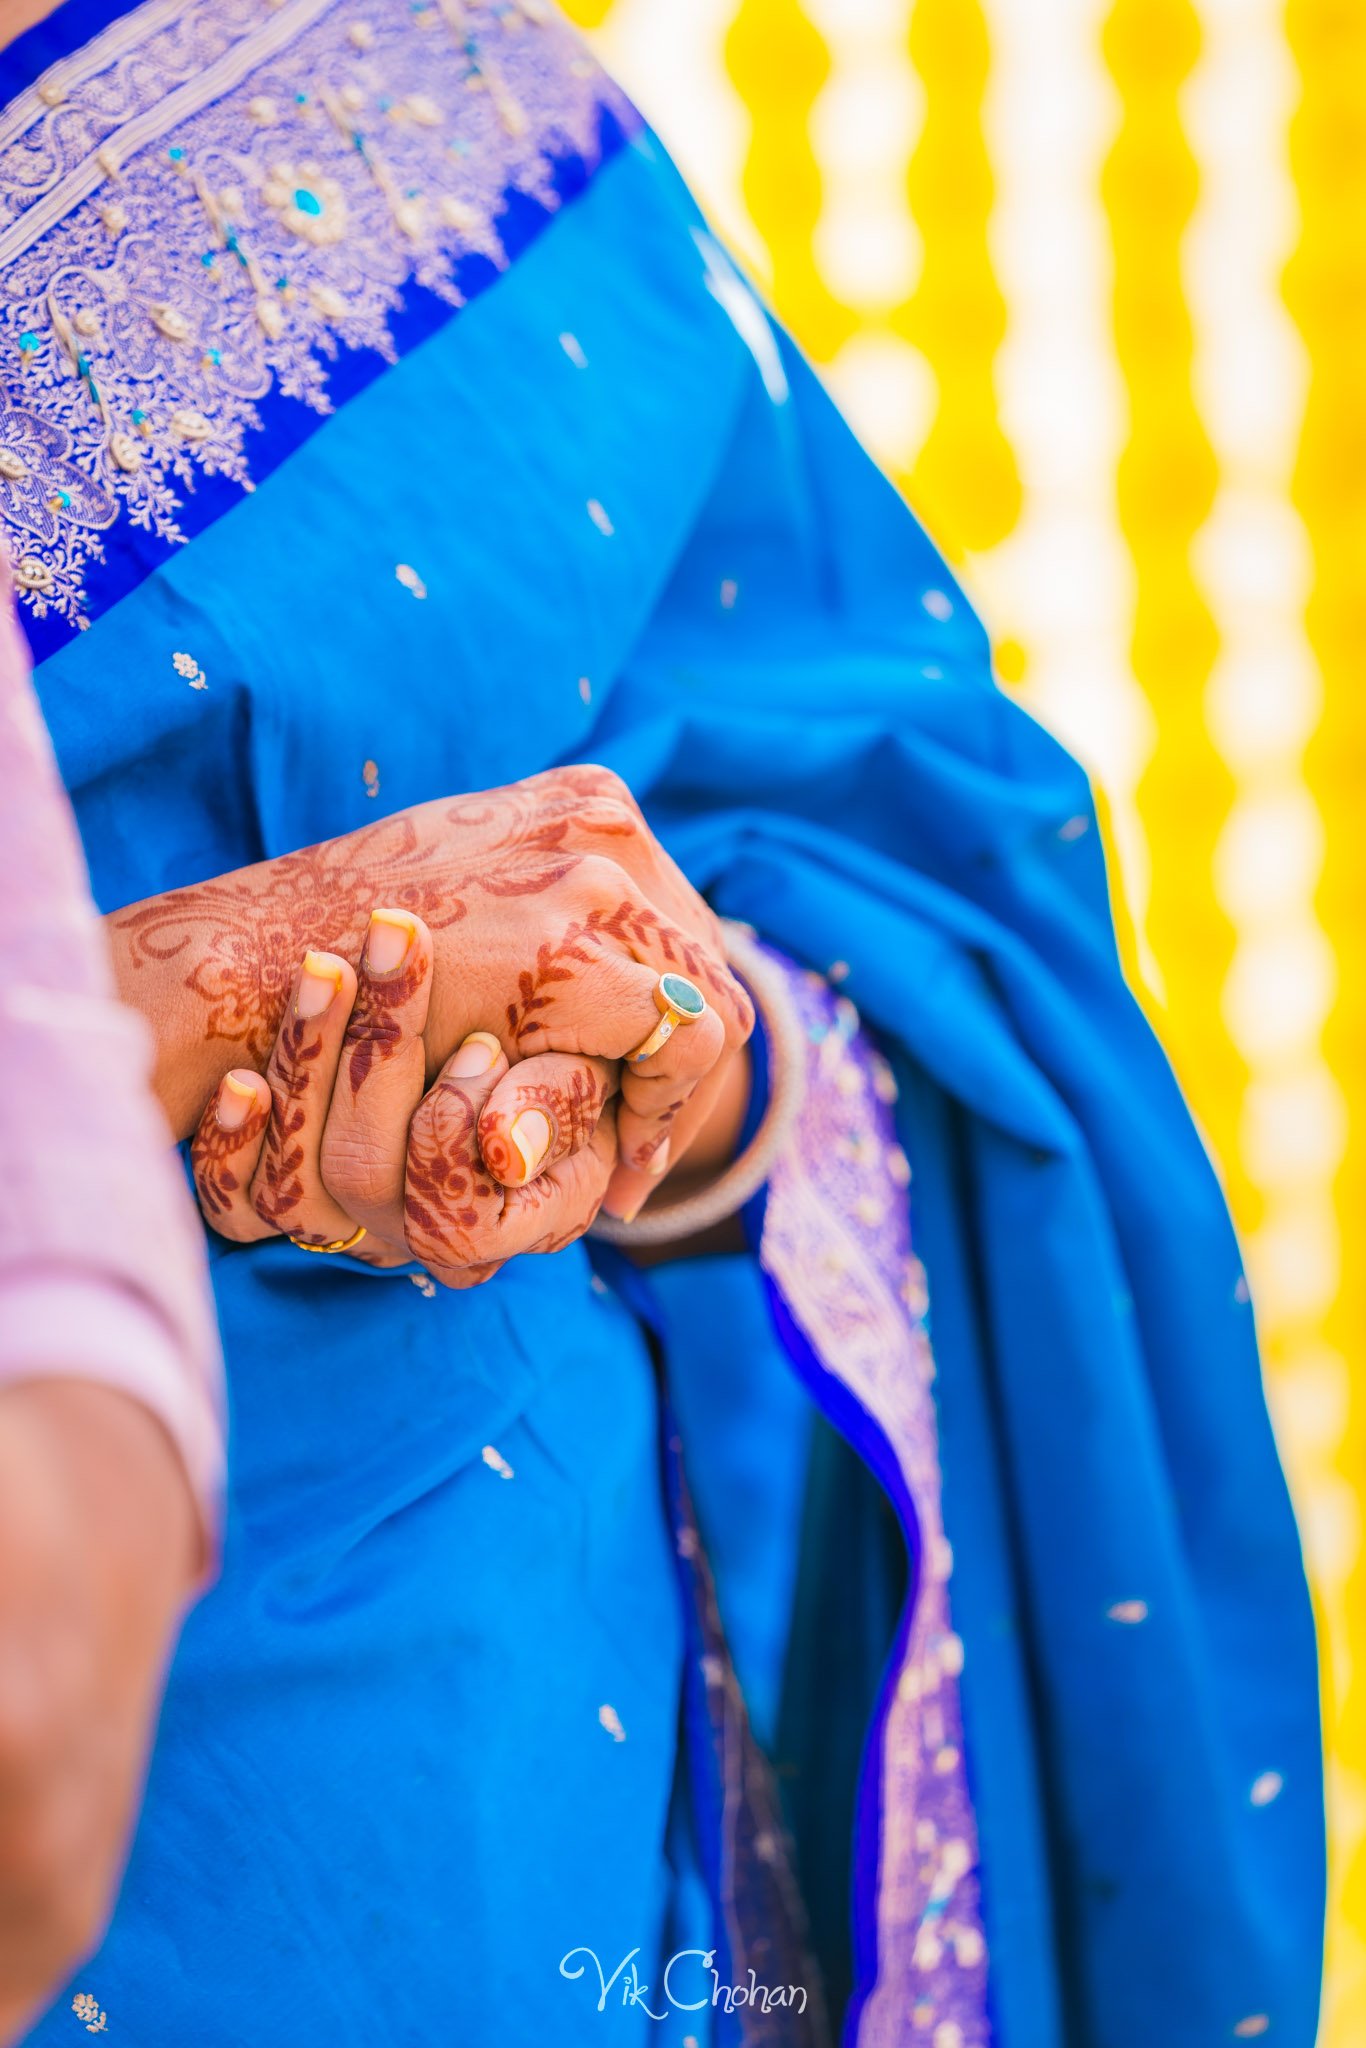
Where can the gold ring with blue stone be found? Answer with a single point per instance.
(679, 1001)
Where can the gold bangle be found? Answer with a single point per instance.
(343, 1244)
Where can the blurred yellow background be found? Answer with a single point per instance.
(1089, 278)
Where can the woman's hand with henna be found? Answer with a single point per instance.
(553, 910)
(488, 1162)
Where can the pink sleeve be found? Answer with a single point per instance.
(102, 1272)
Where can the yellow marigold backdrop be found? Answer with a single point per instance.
(1089, 277)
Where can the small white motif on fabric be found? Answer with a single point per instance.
(186, 665)
(410, 579)
(496, 1462)
(1266, 1788)
(370, 777)
(573, 348)
(585, 690)
(424, 1284)
(938, 604)
(1128, 1611)
(87, 2009)
(730, 590)
(598, 514)
(611, 1721)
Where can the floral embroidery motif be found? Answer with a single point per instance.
(210, 200)
(186, 665)
(87, 2009)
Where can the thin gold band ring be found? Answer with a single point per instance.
(342, 1244)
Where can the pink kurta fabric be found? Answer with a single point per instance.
(101, 1264)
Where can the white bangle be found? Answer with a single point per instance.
(665, 1222)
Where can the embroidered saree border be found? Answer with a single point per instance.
(177, 319)
(761, 1933)
(836, 1244)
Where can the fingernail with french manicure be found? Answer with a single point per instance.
(319, 980)
(531, 1135)
(386, 946)
(476, 1055)
(236, 1100)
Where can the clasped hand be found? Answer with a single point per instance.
(533, 1117)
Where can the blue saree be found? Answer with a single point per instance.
(378, 420)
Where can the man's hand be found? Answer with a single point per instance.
(98, 1545)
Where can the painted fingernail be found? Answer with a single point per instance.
(531, 1135)
(386, 946)
(319, 980)
(236, 1100)
(476, 1055)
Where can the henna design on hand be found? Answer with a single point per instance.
(374, 1033)
(234, 942)
(282, 1189)
(442, 1182)
(244, 934)
(573, 1104)
(211, 1155)
(646, 1152)
(629, 924)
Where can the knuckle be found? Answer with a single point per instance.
(608, 785)
(622, 819)
(604, 878)
(230, 1224)
(354, 1171)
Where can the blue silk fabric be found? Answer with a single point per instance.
(423, 1738)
